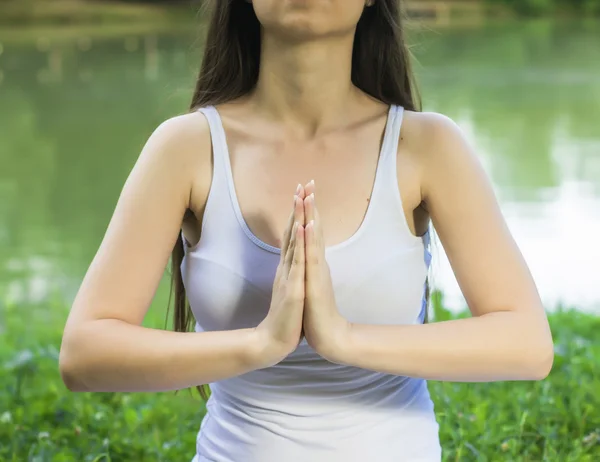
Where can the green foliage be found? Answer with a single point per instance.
(98, 12)
(541, 7)
(532, 7)
(42, 421)
(553, 420)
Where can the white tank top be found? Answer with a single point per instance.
(306, 409)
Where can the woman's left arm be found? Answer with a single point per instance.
(508, 337)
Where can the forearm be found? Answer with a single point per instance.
(112, 355)
(496, 346)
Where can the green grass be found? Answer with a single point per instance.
(554, 420)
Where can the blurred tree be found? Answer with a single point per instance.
(540, 7)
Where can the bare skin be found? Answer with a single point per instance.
(305, 120)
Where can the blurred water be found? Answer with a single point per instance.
(74, 115)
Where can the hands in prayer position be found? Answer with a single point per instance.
(303, 303)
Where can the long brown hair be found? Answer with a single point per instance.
(380, 67)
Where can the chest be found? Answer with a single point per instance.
(266, 172)
(378, 269)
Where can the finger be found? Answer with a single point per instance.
(297, 266)
(299, 211)
(311, 250)
(298, 219)
(309, 208)
(289, 252)
(300, 191)
(320, 241)
(288, 229)
(309, 188)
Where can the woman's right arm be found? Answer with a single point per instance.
(104, 347)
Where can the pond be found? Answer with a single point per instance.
(75, 114)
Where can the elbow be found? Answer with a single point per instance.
(540, 363)
(534, 354)
(69, 365)
(544, 365)
(70, 377)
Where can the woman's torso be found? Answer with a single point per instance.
(306, 408)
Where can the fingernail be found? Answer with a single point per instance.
(312, 197)
(299, 188)
(312, 182)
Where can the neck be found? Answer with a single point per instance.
(306, 84)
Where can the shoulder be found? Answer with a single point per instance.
(181, 138)
(178, 156)
(438, 148)
(181, 147)
(430, 134)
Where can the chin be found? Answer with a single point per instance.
(308, 19)
(309, 28)
(302, 27)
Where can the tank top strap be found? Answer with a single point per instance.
(218, 140)
(386, 199)
(389, 152)
(397, 125)
(220, 211)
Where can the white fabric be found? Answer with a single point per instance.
(306, 409)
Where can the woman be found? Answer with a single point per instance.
(314, 343)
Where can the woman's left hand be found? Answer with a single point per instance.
(325, 329)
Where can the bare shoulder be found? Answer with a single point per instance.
(430, 134)
(182, 140)
(437, 147)
(182, 144)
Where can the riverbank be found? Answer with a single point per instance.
(90, 13)
(98, 17)
(17, 13)
(66, 19)
(555, 420)
(25, 13)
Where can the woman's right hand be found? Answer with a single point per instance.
(281, 330)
